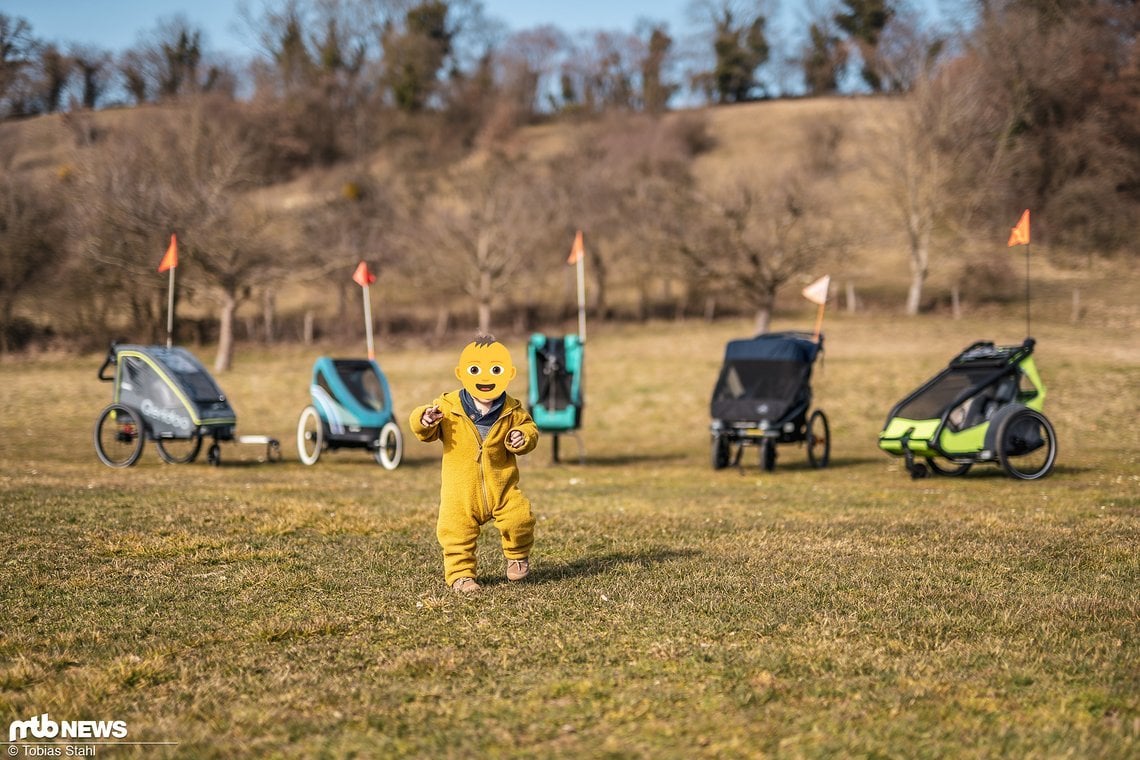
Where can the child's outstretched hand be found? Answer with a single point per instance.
(515, 439)
(431, 416)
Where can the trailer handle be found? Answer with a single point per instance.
(109, 361)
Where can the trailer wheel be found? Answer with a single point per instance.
(214, 455)
(951, 471)
(720, 453)
(1027, 445)
(179, 450)
(391, 449)
(119, 436)
(768, 455)
(310, 436)
(818, 440)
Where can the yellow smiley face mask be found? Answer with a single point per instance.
(485, 369)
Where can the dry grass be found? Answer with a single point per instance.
(273, 609)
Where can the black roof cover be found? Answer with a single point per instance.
(779, 346)
(765, 378)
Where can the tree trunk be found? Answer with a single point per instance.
(919, 264)
(308, 328)
(485, 294)
(224, 359)
(914, 293)
(442, 317)
(5, 324)
(600, 277)
(522, 318)
(765, 309)
(763, 319)
(269, 314)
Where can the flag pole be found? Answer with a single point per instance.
(819, 321)
(170, 310)
(581, 266)
(1028, 332)
(817, 294)
(368, 323)
(170, 261)
(1019, 235)
(364, 278)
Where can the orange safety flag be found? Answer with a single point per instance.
(578, 250)
(817, 291)
(1019, 235)
(362, 276)
(170, 260)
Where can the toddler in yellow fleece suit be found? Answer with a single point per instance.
(482, 430)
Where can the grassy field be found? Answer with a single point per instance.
(274, 609)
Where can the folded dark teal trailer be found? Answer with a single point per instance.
(555, 395)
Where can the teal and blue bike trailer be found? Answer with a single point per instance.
(350, 407)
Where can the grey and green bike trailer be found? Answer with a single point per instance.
(165, 394)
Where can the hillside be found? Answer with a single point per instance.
(756, 143)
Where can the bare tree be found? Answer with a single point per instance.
(172, 61)
(864, 21)
(738, 36)
(656, 90)
(602, 74)
(415, 51)
(94, 67)
(55, 73)
(1053, 119)
(914, 145)
(363, 221)
(528, 63)
(32, 245)
(17, 55)
(824, 54)
(750, 241)
(477, 233)
(132, 67)
(612, 183)
(186, 172)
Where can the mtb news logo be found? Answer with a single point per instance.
(43, 727)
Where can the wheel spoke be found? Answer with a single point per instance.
(310, 436)
(1027, 445)
(391, 448)
(119, 436)
(179, 450)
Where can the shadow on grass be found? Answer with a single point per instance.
(993, 471)
(617, 460)
(801, 463)
(587, 566)
(334, 461)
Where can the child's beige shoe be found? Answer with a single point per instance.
(517, 569)
(466, 585)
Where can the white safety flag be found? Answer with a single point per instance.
(817, 291)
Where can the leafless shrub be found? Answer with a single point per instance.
(990, 279)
